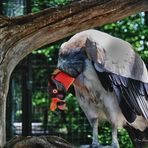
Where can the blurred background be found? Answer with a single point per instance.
(28, 102)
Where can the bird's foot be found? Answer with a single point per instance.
(107, 146)
(85, 146)
(111, 146)
(115, 144)
(96, 145)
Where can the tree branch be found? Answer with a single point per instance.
(23, 34)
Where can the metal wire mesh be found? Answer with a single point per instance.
(71, 124)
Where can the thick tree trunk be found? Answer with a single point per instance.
(4, 80)
(2, 117)
(20, 35)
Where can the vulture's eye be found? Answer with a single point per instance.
(55, 91)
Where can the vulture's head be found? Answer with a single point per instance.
(70, 65)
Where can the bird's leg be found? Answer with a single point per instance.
(115, 143)
(95, 142)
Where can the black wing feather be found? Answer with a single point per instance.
(125, 107)
(132, 94)
(146, 90)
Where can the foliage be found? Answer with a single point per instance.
(42, 4)
(50, 51)
(105, 137)
(132, 29)
(38, 99)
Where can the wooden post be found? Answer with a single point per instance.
(9, 117)
(27, 90)
(28, 6)
(1, 7)
(27, 99)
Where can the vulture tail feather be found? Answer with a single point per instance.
(139, 138)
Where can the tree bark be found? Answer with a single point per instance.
(36, 142)
(4, 84)
(20, 35)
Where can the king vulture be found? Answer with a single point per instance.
(110, 82)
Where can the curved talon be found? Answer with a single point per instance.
(85, 146)
(96, 146)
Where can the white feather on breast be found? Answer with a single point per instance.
(94, 100)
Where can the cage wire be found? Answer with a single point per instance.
(71, 124)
